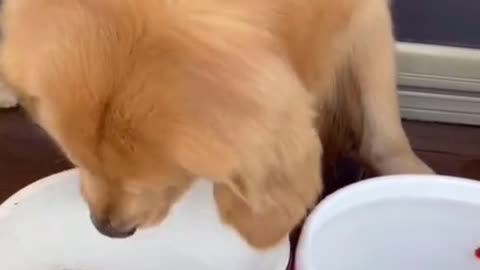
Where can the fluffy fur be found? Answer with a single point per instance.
(7, 97)
(145, 96)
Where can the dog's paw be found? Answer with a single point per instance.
(7, 100)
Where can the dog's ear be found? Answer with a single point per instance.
(273, 190)
(252, 134)
(277, 174)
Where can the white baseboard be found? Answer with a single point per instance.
(438, 83)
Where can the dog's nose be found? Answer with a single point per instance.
(106, 228)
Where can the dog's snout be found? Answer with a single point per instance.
(105, 227)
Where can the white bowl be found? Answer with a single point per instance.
(395, 223)
(46, 226)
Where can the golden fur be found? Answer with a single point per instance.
(145, 95)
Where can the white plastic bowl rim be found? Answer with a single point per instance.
(8, 205)
(381, 188)
(7, 208)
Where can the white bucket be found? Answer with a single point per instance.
(46, 226)
(395, 223)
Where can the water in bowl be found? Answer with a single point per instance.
(399, 234)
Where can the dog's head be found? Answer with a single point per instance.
(143, 105)
(112, 94)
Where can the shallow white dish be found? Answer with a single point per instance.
(395, 223)
(46, 226)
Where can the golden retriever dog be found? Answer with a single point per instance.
(145, 96)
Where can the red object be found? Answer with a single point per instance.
(477, 253)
